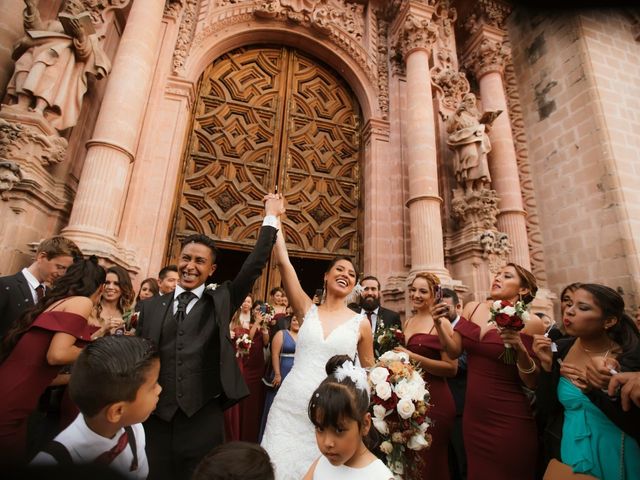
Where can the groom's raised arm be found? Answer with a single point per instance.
(254, 264)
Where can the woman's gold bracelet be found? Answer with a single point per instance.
(528, 370)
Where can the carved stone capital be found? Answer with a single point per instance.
(24, 143)
(99, 8)
(495, 247)
(416, 33)
(489, 54)
(477, 208)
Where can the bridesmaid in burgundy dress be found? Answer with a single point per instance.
(253, 371)
(238, 326)
(499, 430)
(44, 339)
(424, 348)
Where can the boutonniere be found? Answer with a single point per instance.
(211, 287)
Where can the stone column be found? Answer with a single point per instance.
(485, 55)
(99, 202)
(416, 35)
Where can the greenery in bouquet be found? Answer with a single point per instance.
(400, 407)
(387, 338)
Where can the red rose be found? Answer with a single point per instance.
(399, 335)
(504, 303)
(502, 320)
(516, 323)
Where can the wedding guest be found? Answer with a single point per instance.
(279, 302)
(253, 365)
(629, 385)
(378, 316)
(199, 374)
(339, 409)
(168, 279)
(499, 430)
(283, 349)
(238, 326)
(148, 288)
(42, 340)
(235, 461)
(114, 382)
(458, 387)
(115, 303)
(23, 290)
(327, 330)
(423, 348)
(588, 432)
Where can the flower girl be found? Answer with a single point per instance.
(339, 410)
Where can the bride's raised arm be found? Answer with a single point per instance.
(298, 299)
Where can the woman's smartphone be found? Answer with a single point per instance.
(437, 297)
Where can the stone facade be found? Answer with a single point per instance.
(558, 108)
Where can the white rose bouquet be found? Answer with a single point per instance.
(400, 403)
(243, 345)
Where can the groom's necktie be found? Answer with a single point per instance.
(183, 300)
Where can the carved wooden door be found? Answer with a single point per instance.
(267, 117)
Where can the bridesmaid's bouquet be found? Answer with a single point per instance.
(400, 403)
(243, 345)
(387, 339)
(506, 316)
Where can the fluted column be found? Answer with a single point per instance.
(485, 55)
(99, 201)
(416, 35)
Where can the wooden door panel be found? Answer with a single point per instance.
(268, 116)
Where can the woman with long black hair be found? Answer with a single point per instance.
(44, 339)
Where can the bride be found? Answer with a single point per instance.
(328, 330)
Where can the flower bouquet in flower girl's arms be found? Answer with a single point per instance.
(507, 316)
(400, 407)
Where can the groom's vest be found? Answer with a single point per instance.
(189, 361)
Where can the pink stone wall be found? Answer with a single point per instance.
(577, 75)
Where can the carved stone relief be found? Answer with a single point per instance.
(475, 208)
(487, 12)
(495, 246)
(490, 56)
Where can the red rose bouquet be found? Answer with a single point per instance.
(243, 345)
(506, 316)
(387, 339)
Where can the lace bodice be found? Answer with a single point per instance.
(289, 435)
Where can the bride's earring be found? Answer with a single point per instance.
(324, 293)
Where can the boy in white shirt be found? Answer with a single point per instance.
(114, 383)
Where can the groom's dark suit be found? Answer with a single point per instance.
(199, 373)
(15, 299)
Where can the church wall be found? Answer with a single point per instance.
(574, 165)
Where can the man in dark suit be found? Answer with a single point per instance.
(21, 291)
(199, 374)
(379, 317)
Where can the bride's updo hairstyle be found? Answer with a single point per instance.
(343, 394)
(527, 280)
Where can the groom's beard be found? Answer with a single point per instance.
(370, 303)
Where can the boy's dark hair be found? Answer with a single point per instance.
(335, 399)
(235, 461)
(110, 370)
(167, 269)
(450, 293)
(202, 240)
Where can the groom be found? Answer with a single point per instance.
(199, 374)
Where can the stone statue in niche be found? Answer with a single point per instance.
(469, 140)
(53, 62)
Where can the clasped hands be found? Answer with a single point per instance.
(273, 204)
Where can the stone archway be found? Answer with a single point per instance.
(266, 117)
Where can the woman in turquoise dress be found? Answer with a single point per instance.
(283, 349)
(586, 429)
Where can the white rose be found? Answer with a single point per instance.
(424, 426)
(381, 426)
(497, 305)
(378, 375)
(525, 316)
(403, 389)
(383, 390)
(417, 442)
(418, 392)
(386, 447)
(509, 311)
(392, 356)
(380, 338)
(405, 408)
(379, 411)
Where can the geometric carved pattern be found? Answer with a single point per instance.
(269, 116)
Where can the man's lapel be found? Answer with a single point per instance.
(158, 316)
(25, 292)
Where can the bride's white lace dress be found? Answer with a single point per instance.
(289, 436)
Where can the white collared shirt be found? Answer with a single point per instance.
(453, 324)
(374, 318)
(33, 283)
(84, 445)
(198, 291)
